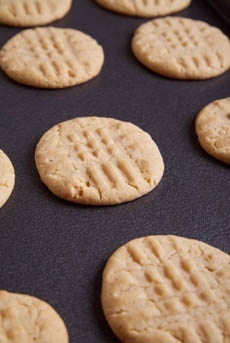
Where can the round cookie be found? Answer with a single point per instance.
(51, 57)
(143, 8)
(213, 129)
(7, 178)
(32, 12)
(28, 319)
(168, 289)
(182, 48)
(98, 161)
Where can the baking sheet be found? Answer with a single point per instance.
(57, 250)
(222, 7)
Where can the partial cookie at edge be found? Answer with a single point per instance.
(28, 13)
(25, 319)
(141, 8)
(213, 129)
(161, 289)
(7, 178)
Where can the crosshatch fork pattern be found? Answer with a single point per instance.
(100, 161)
(32, 12)
(182, 48)
(145, 8)
(51, 57)
(168, 289)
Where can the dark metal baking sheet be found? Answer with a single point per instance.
(222, 7)
(56, 250)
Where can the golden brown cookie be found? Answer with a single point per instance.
(168, 289)
(145, 8)
(182, 48)
(25, 319)
(7, 178)
(51, 57)
(213, 129)
(32, 12)
(98, 161)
